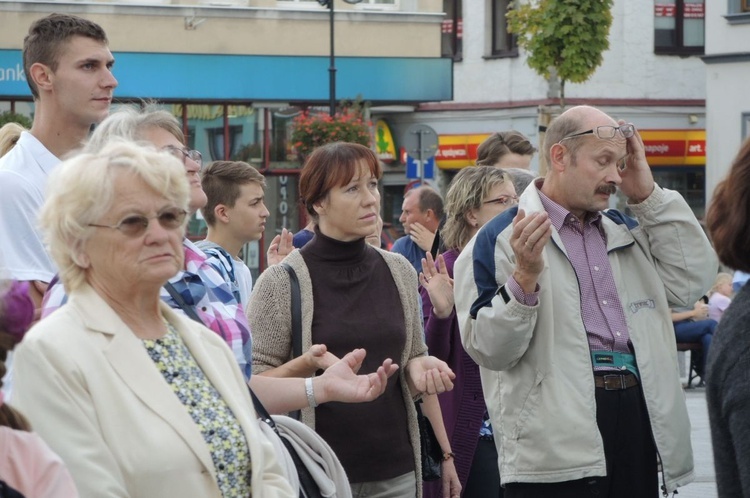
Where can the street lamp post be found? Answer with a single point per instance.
(332, 58)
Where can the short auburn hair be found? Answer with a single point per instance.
(46, 38)
(729, 214)
(333, 165)
(221, 182)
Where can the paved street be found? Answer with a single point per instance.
(704, 485)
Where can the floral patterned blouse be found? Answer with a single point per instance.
(220, 429)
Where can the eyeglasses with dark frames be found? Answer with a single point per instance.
(606, 132)
(183, 153)
(136, 225)
(504, 200)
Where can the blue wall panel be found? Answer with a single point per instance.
(261, 78)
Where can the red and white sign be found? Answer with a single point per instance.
(694, 11)
(447, 27)
(665, 10)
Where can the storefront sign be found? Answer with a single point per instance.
(458, 151)
(675, 147)
(665, 10)
(385, 148)
(694, 11)
(663, 148)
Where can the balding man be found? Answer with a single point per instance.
(421, 213)
(565, 306)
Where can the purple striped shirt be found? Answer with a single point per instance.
(601, 308)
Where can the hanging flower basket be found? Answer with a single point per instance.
(311, 130)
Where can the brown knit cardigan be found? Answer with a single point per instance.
(270, 318)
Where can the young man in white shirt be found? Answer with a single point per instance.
(68, 67)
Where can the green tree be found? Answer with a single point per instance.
(564, 39)
(12, 117)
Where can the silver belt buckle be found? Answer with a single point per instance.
(608, 387)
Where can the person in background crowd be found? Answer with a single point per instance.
(522, 178)
(421, 214)
(146, 402)
(555, 296)
(506, 149)
(27, 465)
(235, 214)
(693, 325)
(354, 295)
(727, 383)
(9, 135)
(69, 97)
(304, 236)
(476, 195)
(720, 296)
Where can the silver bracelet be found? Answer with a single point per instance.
(310, 393)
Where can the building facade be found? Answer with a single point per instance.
(652, 75)
(727, 100)
(236, 72)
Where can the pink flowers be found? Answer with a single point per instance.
(311, 130)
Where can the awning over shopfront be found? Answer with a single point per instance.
(663, 148)
(218, 77)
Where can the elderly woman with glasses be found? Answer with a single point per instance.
(137, 399)
(476, 195)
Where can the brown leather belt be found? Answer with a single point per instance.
(615, 382)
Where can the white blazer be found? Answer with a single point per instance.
(89, 388)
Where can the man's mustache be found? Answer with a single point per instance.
(608, 189)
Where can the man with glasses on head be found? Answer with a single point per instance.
(565, 306)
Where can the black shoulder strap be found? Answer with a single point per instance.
(189, 310)
(296, 311)
(262, 412)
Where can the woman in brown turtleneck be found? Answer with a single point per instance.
(354, 296)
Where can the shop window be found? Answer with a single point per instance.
(679, 27)
(452, 37)
(281, 137)
(217, 144)
(690, 181)
(502, 43)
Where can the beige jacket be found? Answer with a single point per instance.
(535, 363)
(91, 391)
(270, 317)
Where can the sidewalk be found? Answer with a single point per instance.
(704, 485)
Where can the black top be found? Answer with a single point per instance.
(357, 305)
